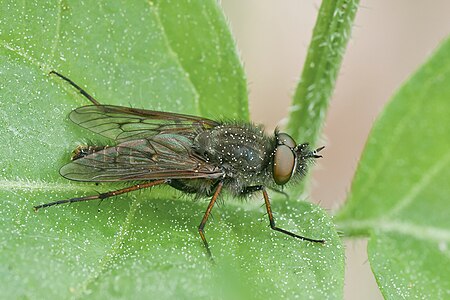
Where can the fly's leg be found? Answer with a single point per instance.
(272, 222)
(103, 195)
(279, 192)
(205, 217)
(82, 92)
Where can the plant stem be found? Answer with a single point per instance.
(329, 40)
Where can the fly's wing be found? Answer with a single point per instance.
(164, 156)
(124, 123)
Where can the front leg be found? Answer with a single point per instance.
(274, 227)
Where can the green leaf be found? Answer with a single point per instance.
(176, 56)
(400, 193)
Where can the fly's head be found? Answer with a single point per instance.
(290, 159)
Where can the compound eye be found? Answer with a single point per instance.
(286, 139)
(283, 164)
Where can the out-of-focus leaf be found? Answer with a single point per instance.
(400, 193)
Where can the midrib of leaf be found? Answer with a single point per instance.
(33, 185)
(425, 233)
(57, 31)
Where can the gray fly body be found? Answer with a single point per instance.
(241, 151)
(192, 154)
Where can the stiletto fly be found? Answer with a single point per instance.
(192, 154)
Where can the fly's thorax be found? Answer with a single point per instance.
(243, 151)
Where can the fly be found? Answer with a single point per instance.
(192, 154)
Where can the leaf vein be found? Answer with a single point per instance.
(19, 51)
(432, 172)
(57, 31)
(114, 250)
(391, 142)
(420, 232)
(176, 56)
(32, 185)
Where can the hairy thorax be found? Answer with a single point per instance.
(243, 153)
